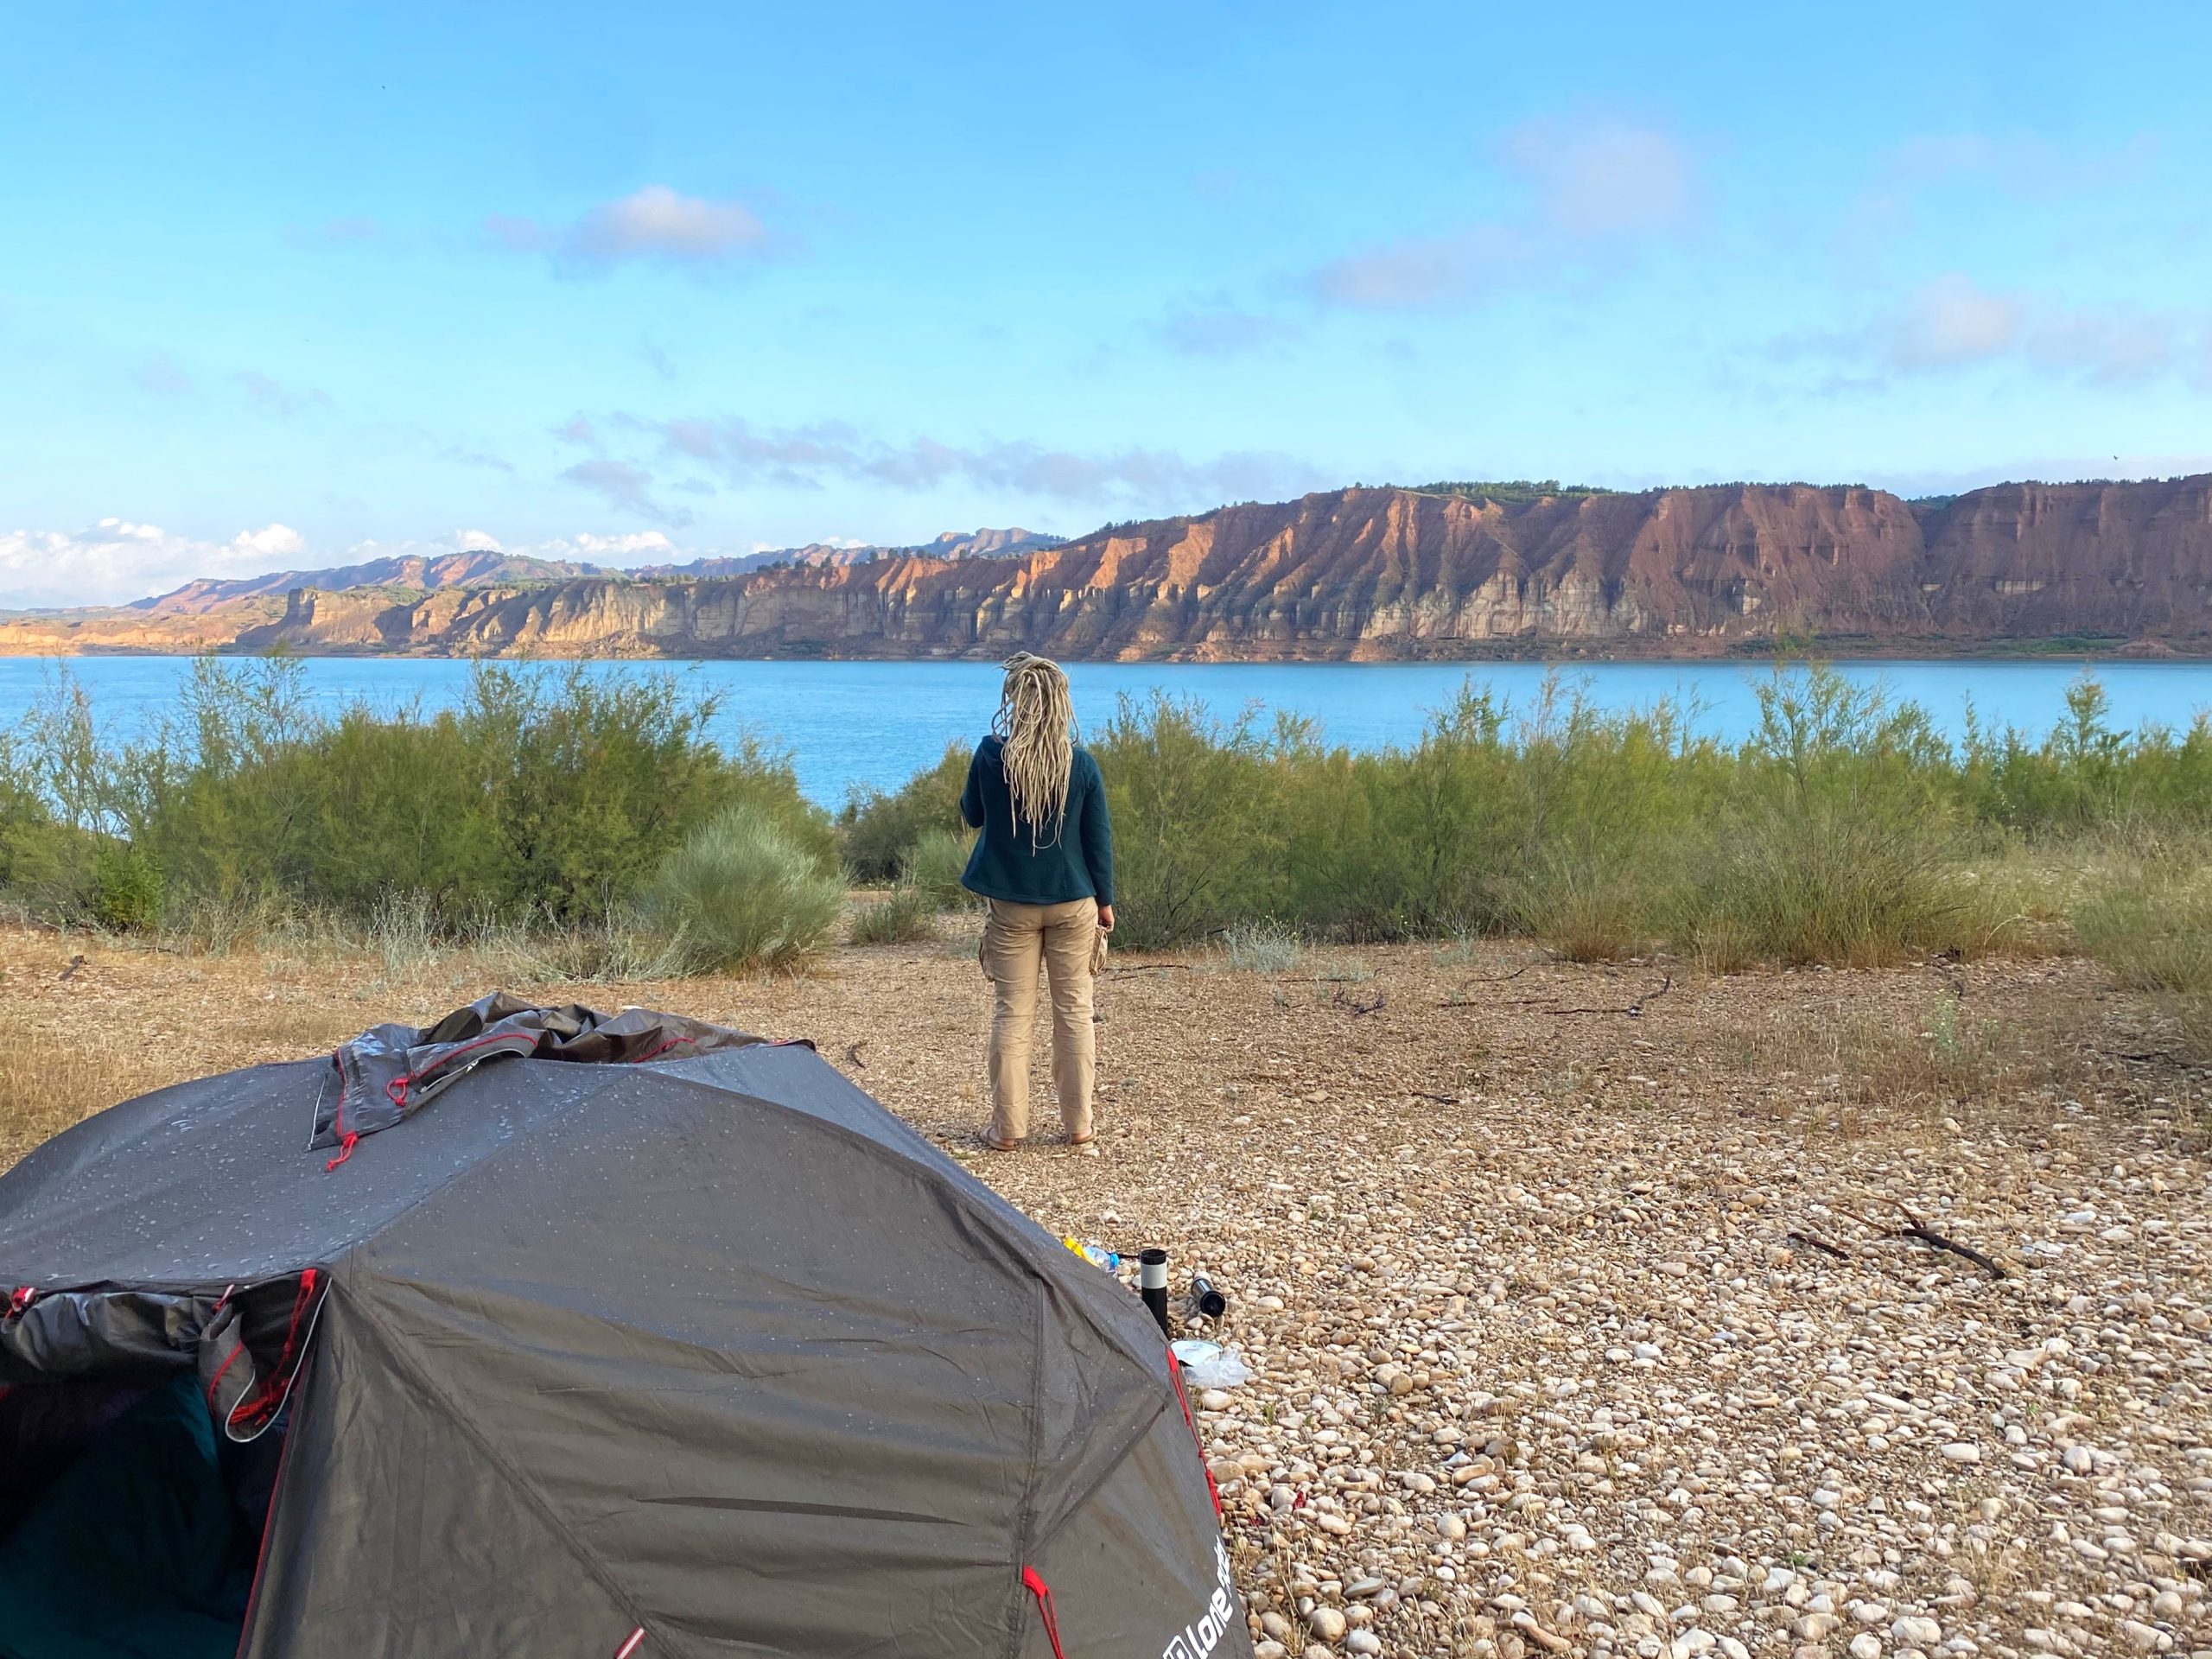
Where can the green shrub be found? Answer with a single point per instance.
(905, 914)
(1825, 886)
(1197, 838)
(1584, 906)
(879, 831)
(1834, 841)
(740, 893)
(532, 801)
(126, 889)
(934, 866)
(1843, 829)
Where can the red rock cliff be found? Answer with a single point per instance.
(1362, 573)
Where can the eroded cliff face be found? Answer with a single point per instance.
(1356, 574)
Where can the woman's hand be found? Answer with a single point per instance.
(1105, 919)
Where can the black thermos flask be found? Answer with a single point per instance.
(1152, 1284)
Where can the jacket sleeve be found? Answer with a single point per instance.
(971, 793)
(1098, 838)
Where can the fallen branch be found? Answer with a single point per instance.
(1811, 1242)
(1490, 979)
(1154, 967)
(1921, 1233)
(1634, 1010)
(2157, 1057)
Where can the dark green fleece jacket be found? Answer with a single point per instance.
(1077, 863)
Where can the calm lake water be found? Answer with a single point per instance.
(875, 724)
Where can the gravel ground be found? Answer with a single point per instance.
(1574, 1330)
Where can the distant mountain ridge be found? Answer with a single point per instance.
(1353, 575)
(473, 567)
(952, 544)
(425, 573)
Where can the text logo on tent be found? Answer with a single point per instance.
(1197, 1641)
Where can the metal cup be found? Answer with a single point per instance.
(1209, 1302)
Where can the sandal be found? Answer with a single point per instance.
(990, 1142)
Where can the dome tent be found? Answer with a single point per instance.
(694, 1351)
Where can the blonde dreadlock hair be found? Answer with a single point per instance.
(1036, 724)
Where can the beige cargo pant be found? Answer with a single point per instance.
(1017, 939)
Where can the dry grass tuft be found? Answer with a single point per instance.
(47, 1084)
(1936, 1056)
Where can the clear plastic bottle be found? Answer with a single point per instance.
(1096, 1254)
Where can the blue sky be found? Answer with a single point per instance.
(280, 286)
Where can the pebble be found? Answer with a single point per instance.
(1541, 1365)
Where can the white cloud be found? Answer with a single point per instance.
(625, 485)
(116, 561)
(812, 457)
(1953, 322)
(656, 224)
(270, 541)
(1218, 329)
(1922, 181)
(2120, 347)
(278, 399)
(638, 545)
(1435, 272)
(1589, 188)
(162, 372)
(1605, 178)
(1949, 321)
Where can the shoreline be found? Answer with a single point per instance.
(1557, 652)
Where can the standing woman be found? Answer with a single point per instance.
(1045, 862)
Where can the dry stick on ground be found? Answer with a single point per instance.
(1634, 1010)
(1490, 979)
(2159, 1057)
(1813, 1241)
(1921, 1232)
